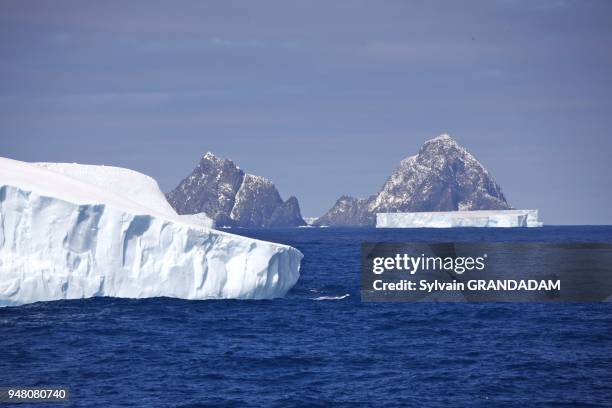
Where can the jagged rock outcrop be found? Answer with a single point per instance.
(288, 213)
(348, 211)
(443, 176)
(232, 197)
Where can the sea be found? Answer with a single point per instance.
(320, 345)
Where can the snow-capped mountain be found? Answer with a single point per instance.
(232, 197)
(443, 176)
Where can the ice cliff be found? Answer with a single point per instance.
(453, 219)
(74, 231)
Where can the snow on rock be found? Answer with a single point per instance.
(453, 219)
(310, 220)
(73, 231)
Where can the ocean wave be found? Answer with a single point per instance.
(332, 297)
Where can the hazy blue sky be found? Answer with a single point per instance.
(324, 98)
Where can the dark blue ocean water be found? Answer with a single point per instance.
(303, 351)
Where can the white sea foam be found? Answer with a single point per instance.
(332, 297)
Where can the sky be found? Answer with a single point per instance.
(322, 97)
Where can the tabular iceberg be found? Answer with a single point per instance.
(453, 219)
(73, 231)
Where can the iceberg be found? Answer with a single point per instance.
(453, 219)
(72, 231)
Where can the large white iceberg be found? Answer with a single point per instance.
(453, 219)
(74, 231)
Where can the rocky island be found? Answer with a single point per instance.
(218, 188)
(443, 176)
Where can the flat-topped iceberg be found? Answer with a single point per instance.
(74, 231)
(453, 219)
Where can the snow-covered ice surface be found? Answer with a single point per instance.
(139, 187)
(453, 219)
(72, 231)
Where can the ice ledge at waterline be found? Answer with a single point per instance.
(453, 219)
(73, 231)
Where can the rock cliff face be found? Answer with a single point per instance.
(443, 176)
(233, 198)
(349, 211)
(288, 213)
